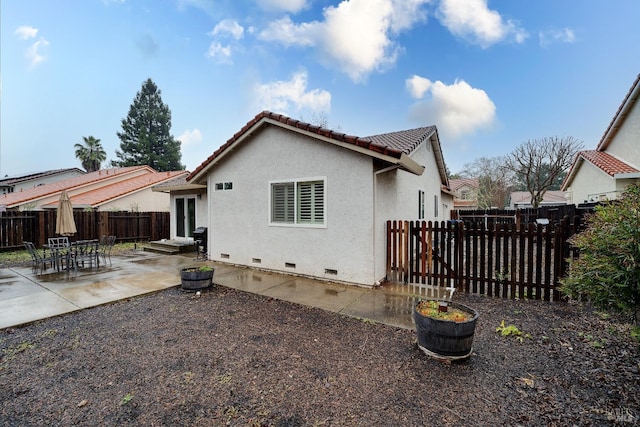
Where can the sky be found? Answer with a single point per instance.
(490, 74)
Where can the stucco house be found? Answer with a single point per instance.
(522, 199)
(292, 197)
(465, 192)
(17, 183)
(604, 173)
(117, 189)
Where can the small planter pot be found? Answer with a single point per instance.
(196, 279)
(443, 338)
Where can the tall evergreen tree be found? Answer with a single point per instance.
(91, 154)
(145, 137)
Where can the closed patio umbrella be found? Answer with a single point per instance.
(65, 224)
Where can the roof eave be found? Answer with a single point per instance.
(386, 154)
(620, 116)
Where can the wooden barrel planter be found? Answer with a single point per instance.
(445, 336)
(196, 278)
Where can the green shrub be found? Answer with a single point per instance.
(607, 270)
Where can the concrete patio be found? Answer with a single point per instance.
(27, 297)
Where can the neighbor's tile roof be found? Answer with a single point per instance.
(31, 176)
(606, 162)
(551, 196)
(93, 188)
(461, 182)
(110, 192)
(391, 144)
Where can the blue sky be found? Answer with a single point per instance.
(490, 74)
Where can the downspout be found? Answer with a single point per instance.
(375, 222)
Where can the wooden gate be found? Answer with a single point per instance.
(501, 260)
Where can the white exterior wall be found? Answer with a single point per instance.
(239, 230)
(626, 143)
(589, 183)
(141, 201)
(397, 199)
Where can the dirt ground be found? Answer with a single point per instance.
(232, 358)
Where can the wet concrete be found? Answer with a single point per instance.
(26, 297)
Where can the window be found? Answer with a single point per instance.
(224, 186)
(435, 205)
(464, 195)
(420, 204)
(298, 202)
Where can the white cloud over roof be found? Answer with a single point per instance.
(458, 109)
(285, 96)
(356, 36)
(473, 21)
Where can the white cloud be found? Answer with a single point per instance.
(565, 35)
(220, 53)
(418, 86)
(356, 35)
(190, 137)
(456, 109)
(34, 53)
(26, 32)
(228, 26)
(282, 96)
(223, 30)
(293, 6)
(472, 20)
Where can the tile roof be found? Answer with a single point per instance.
(606, 162)
(551, 196)
(392, 144)
(103, 183)
(461, 182)
(10, 180)
(405, 140)
(114, 191)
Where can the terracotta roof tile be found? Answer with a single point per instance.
(461, 182)
(606, 162)
(96, 197)
(391, 144)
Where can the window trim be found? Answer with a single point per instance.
(296, 202)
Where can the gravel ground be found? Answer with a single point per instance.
(232, 358)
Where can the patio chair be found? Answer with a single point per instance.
(60, 248)
(85, 251)
(39, 261)
(106, 245)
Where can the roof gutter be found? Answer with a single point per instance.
(628, 175)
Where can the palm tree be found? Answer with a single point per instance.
(91, 154)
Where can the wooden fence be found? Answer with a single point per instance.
(37, 226)
(501, 260)
(553, 214)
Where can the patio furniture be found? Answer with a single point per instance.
(39, 261)
(85, 252)
(105, 247)
(60, 249)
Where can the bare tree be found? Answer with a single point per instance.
(539, 162)
(494, 181)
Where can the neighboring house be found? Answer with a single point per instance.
(604, 173)
(289, 196)
(18, 183)
(188, 206)
(118, 189)
(522, 199)
(465, 192)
